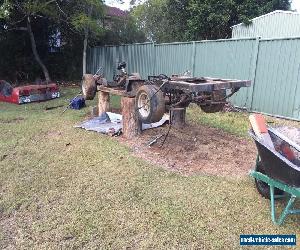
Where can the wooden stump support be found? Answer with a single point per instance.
(103, 104)
(177, 117)
(132, 126)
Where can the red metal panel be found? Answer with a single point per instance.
(32, 93)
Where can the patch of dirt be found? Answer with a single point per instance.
(14, 120)
(53, 134)
(196, 149)
(9, 232)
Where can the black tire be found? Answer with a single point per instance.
(89, 87)
(213, 108)
(150, 103)
(218, 95)
(262, 187)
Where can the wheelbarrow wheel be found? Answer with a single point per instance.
(89, 87)
(262, 187)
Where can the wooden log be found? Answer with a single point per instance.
(103, 104)
(132, 127)
(114, 91)
(177, 117)
(94, 111)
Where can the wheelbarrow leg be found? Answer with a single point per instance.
(287, 210)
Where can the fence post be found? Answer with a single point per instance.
(153, 55)
(251, 92)
(193, 58)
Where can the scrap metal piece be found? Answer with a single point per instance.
(155, 140)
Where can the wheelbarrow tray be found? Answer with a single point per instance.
(277, 166)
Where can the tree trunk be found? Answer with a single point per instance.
(85, 43)
(35, 53)
(103, 104)
(132, 126)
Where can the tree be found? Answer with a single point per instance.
(85, 16)
(209, 19)
(78, 15)
(151, 19)
(185, 20)
(212, 19)
(121, 31)
(20, 15)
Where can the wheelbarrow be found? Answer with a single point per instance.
(276, 176)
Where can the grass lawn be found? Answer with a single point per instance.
(62, 187)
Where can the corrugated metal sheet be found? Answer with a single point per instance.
(173, 58)
(273, 65)
(276, 88)
(104, 57)
(139, 58)
(231, 59)
(275, 24)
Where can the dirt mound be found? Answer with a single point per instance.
(196, 149)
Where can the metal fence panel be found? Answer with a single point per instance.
(173, 58)
(231, 59)
(139, 58)
(273, 65)
(277, 78)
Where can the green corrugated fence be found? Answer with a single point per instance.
(273, 65)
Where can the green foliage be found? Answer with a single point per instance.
(5, 9)
(152, 20)
(71, 18)
(85, 14)
(183, 20)
(209, 19)
(122, 31)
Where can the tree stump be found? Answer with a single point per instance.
(103, 105)
(177, 117)
(131, 124)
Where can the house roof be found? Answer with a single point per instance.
(116, 12)
(276, 12)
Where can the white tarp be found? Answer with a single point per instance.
(112, 123)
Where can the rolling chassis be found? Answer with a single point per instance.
(160, 93)
(157, 94)
(209, 93)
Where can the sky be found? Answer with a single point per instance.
(296, 5)
(126, 5)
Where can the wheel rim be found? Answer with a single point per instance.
(144, 105)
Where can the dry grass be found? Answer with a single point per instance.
(62, 187)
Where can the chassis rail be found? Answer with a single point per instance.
(202, 84)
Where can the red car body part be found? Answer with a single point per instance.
(30, 93)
